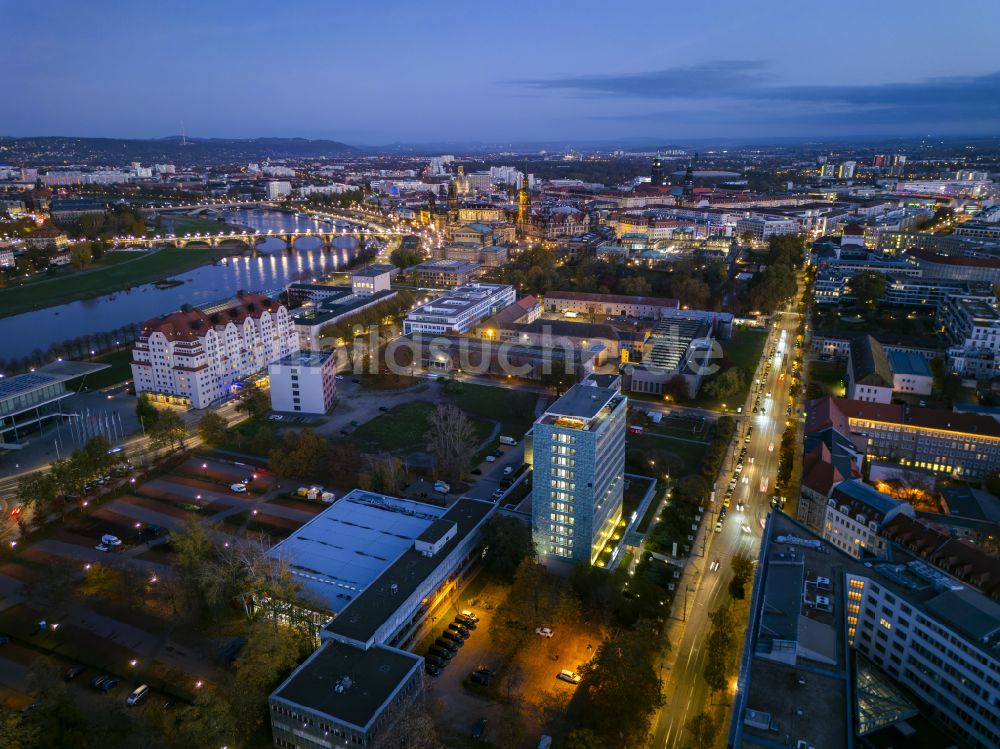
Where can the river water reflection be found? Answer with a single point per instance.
(271, 270)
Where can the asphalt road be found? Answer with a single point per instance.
(701, 589)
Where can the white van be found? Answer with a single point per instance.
(508, 441)
(138, 695)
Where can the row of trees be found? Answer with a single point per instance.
(74, 348)
(43, 491)
(163, 426)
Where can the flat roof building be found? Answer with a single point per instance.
(29, 399)
(578, 460)
(444, 274)
(459, 310)
(303, 382)
(838, 649)
(374, 567)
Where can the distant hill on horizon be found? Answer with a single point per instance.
(59, 149)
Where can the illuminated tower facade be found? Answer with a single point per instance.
(656, 175)
(523, 204)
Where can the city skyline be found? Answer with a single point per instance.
(516, 73)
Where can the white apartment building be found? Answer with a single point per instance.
(763, 229)
(935, 635)
(459, 310)
(278, 189)
(194, 357)
(854, 514)
(303, 382)
(972, 325)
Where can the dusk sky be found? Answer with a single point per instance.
(393, 71)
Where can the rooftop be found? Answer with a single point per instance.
(909, 363)
(305, 359)
(585, 296)
(583, 402)
(348, 683)
(344, 549)
(50, 374)
(398, 579)
(869, 363)
(376, 269)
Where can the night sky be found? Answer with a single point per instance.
(371, 73)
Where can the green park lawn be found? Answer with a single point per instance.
(121, 370)
(401, 429)
(743, 350)
(828, 375)
(121, 273)
(513, 409)
(679, 457)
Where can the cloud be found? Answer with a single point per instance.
(695, 81)
(744, 91)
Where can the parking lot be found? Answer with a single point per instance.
(65, 602)
(528, 681)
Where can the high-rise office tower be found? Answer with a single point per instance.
(578, 454)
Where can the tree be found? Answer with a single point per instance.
(146, 411)
(726, 384)
(213, 428)
(386, 473)
(742, 566)
(621, 689)
(18, 730)
(270, 653)
(583, 738)
(80, 255)
(451, 439)
(404, 257)
(167, 430)
(304, 455)
(867, 288)
(938, 372)
(703, 728)
(38, 490)
(256, 404)
(507, 542)
(676, 389)
(209, 721)
(721, 648)
(413, 729)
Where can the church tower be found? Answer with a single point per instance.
(523, 204)
(452, 202)
(656, 175)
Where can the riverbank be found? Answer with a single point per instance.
(107, 279)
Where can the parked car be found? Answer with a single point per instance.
(468, 615)
(508, 471)
(439, 652)
(72, 672)
(497, 495)
(138, 695)
(568, 676)
(98, 681)
(432, 669)
(479, 728)
(454, 638)
(449, 642)
(482, 675)
(108, 684)
(544, 632)
(460, 629)
(383, 409)
(439, 662)
(477, 471)
(238, 488)
(465, 622)
(491, 458)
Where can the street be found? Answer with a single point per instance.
(701, 590)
